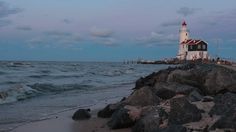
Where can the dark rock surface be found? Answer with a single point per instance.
(195, 96)
(228, 120)
(223, 103)
(148, 123)
(81, 114)
(142, 97)
(120, 119)
(183, 112)
(173, 128)
(108, 110)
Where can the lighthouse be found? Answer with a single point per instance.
(183, 36)
(190, 49)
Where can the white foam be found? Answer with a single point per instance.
(15, 93)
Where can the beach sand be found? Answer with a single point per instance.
(64, 123)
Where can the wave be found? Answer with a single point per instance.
(21, 92)
(16, 93)
(50, 88)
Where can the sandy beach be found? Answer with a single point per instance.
(64, 123)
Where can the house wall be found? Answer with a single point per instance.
(193, 55)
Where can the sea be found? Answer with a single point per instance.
(33, 91)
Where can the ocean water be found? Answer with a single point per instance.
(32, 91)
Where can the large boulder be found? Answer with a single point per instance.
(225, 106)
(173, 128)
(108, 110)
(148, 123)
(182, 111)
(152, 118)
(227, 121)
(167, 90)
(195, 96)
(151, 79)
(81, 114)
(220, 79)
(142, 97)
(223, 103)
(121, 119)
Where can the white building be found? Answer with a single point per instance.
(190, 49)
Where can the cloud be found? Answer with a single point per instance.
(186, 11)
(55, 39)
(66, 21)
(106, 41)
(100, 32)
(6, 10)
(58, 34)
(4, 23)
(24, 28)
(171, 23)
(158, 39)
(103, 36)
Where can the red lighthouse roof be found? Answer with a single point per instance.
(184, 23)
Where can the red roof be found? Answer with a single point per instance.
(184, 23)
(191, 42)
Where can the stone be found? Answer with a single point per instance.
(81, 114)
(142, 97)
(182, 111)
(164, 93)
(195, 96)
(225, 106)
(121, 119)
(223, 103)
(173, 86)
(220, 79)
(148, 123)
(173, 128)
(207, 99)
(108, 110)
(228, 120)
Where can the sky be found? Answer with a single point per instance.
(112, 30)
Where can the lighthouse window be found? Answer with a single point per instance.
(204, 47)
(186, 34)
(199, 46)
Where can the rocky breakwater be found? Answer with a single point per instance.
(193, 97)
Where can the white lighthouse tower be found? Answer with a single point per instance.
(184, 36)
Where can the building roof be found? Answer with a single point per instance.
(192, 41)
(184, 23)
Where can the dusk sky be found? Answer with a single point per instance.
(112, 30)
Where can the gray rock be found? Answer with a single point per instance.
(148, 123)
(223, 103)
(207, 99)
(120, 119)
(228, 120)
(220, 79)
(173, 86)
(81, 114)
(195, 96)
(142, 97)
(109, 110)
(182, 111)
(173, 128)
(164, 93)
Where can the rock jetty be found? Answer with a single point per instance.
(192, 97)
